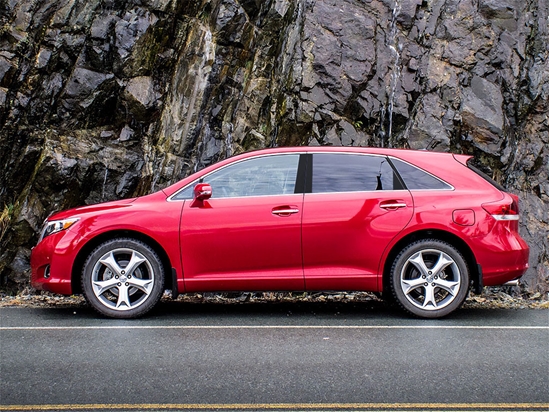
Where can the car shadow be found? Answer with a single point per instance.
(260, 312)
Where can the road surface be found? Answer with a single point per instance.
(269, 356)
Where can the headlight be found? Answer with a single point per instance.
(54, 226)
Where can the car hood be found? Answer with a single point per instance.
(99, 207)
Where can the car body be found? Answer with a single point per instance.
(418, 226)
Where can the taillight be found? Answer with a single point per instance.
(506, 209)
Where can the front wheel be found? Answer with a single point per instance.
(123, 278)
(430, 278)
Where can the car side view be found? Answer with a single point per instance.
(422, 227)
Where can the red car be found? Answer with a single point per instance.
(421, 226)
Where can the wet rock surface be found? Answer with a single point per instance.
(103, 99)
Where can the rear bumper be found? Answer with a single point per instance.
(503, 256)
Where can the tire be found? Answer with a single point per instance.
(123, 278)
(430, 278)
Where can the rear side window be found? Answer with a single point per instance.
(340, 172)
(417, 179)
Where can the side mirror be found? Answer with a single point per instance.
(202, 191)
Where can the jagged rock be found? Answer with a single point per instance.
(84, 82)
(105, 99)
(102, 26)
(140, 91)
(428, 132)
(482, 114)
(126, 133)
(3, 93)
(499, 9)
(7, 69)
(130, 28)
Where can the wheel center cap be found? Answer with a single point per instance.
(123, 278)
(430, 278)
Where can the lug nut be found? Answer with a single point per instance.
(423, 277)
(116, 277)
(119, 284)
(129, 276)
(123, 272)
(127, 284)
(425, 284)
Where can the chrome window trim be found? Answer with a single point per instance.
(313, 152)
(358, 191)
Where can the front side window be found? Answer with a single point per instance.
(262, 176)
(340, 172)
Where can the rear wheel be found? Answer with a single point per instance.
(430, 278)
(123, 278)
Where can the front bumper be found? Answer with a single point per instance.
(51, 265)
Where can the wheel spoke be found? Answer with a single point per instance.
(110, 262)
(123, 296)
(419, 263)
(101, 286)
(449, 286)
(409, 285)
(443, 262)
(136, 259)
(429, 297)
(142, 284)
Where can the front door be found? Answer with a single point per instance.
(247, 236)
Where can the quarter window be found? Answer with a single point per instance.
(417, 179)
(340, 172)
(263, 176)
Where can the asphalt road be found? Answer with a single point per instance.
(273, 357)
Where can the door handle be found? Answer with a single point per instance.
(285, 210)
(392, 205)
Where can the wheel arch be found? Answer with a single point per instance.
(103, 237)
(450, 238)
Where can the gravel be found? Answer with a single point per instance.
(492, 298)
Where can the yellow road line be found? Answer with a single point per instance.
(281, 406)
(320, 327)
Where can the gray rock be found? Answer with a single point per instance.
(499, 9)
(3, 94)
(141, 90)
(43, 58)
(151, 90)
(126, 133)
(482, 114)
(130, 28)
(102, 26)
(84, 81)
(7, 68)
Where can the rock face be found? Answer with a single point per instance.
(107, 99)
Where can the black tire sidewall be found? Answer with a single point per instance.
(401, 260)
(138, 246)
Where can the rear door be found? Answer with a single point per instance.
(357, 205)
